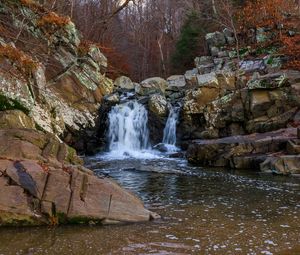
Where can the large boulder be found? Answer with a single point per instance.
(152, 86)
(124, 82)
(44, 183)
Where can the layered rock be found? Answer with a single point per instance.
(265, 152)
(62, 82)
(42, 181)
(263, 104)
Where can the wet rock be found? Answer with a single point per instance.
(113, 99)
(161, 147)
(158, 105)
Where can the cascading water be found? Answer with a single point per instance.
(128, 130)
(169, 138)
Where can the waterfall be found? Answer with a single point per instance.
(170, 128)
(128, 131)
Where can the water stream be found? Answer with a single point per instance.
(204, 211)
(128, 131)
(169, 139)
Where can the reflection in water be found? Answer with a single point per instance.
(204, 212)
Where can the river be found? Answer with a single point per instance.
(204, 211)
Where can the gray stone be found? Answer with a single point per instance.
(124, 82)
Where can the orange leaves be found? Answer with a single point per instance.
(291, 48)
(24, 63)
(51, 20)
(33, 5)
(84, 47)
(264, 13)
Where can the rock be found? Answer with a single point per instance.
(161, 147)
(209, 79)
(216, 39)
(270, 81)
(203, 60)
(283, 165)
(293, 147)
(177, 81)
(214, 51)
(229, 35)
(158, 105)
(264, 123)
(151, 86)
(196, 100)
(260, 102)
(113, 98)
(191, 77)
(46, 184)
(124, 82)
(238, 151)
(251, 66)
(15, 119)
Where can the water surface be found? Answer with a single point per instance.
(204, 211)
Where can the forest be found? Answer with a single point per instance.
(145, 38)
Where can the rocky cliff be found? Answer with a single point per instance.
(48, 72)
(51, 86)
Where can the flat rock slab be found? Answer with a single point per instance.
(48, 188)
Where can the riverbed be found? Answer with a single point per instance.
(204, 211)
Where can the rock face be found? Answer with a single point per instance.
(42, 181)
(62, 82)
(219, 104)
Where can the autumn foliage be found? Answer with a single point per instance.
(52, 21)
(264, 13)
(282, 21)
(23, 63)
